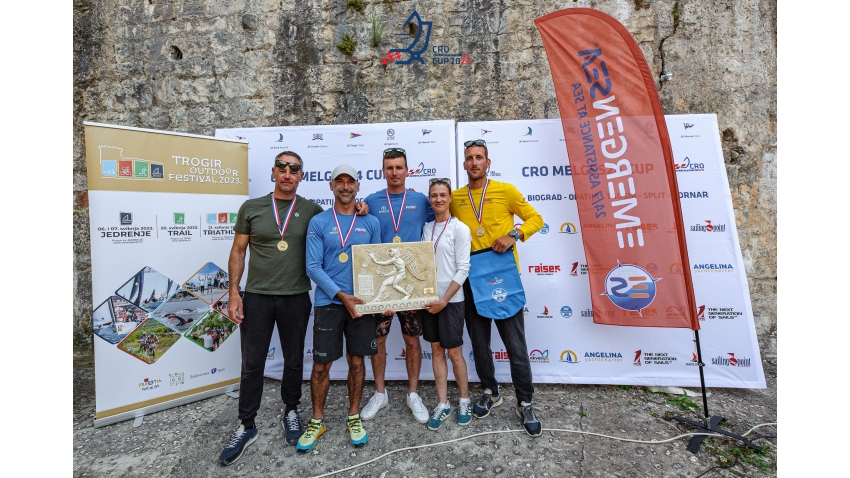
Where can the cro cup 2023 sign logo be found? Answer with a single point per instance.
(630, 287)
(419, 32)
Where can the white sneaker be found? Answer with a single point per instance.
(414, 403)
(377, 402)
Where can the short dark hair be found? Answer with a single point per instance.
(486, 153)
(396, 154)
(290, 153)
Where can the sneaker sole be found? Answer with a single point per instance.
(359, 444)
(464, 423)
(252, 440)
(438, 426)
(526, 430)
(305, 450)
(494, 405)
(364, 417)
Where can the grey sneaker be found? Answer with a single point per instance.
(530, 422)
(485, 403)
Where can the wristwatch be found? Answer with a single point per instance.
(514, 234)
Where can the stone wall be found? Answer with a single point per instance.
(193, 66)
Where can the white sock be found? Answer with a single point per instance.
(462, 400)
(379, 393)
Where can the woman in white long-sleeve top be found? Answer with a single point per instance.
(443, 319)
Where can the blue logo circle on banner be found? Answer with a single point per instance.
(566, 311)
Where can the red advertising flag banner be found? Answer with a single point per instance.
(623, 172)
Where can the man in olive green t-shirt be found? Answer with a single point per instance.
(274, 227)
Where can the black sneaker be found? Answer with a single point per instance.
(239, 441)
(485, 403)
(291, 422)
(530, 422)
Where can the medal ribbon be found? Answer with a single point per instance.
(396, 224)
(441, 234)
(280, 229)
(478, 212)
(339, 229)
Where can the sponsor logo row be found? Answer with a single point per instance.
(174, 379)
(565, 311)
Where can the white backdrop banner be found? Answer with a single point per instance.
(162, 208)
(565, 346)
(430, 150)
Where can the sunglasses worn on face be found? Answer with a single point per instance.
(477, 142)
(440, 180)
(394, 150)
(293, 167)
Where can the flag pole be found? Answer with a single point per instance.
(709, 423)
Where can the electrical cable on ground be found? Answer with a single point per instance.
(654, 442)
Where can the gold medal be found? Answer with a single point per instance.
(396, 239)
(479, 232)
(282, 245)
(343, 258)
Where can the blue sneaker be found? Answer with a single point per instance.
(441, 412)
(485, 403)
(530, 422)
(291, 422)
(464, 412)
(239, 441)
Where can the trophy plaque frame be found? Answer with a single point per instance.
(394, 276)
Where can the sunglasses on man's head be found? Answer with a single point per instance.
(394, 150)
(476, 142)
(293, 167)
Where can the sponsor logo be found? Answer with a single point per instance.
(485, 131)
(539, 356)
(319, 136)
(708, 227)
(674, 311)
(719, 313)
(270, 354)
(402, 355)
(653, 358)
(603, 357)
(630, 287)
(544, 229)
(499, 294)
(529, 132)
(545, 270)
(688, 166)
(243, 137)
(109, 168)
(652, 268)
(492, 173)
(179, 218)
(701, 313)
(125, 169)
(545, 314)
(420, 32)
(568, 356)
(214, 370)
(140, 169)
(713, 268)
(198, 375)
(308, 354)
(731, 361)
(390, 134)
(354, 135)
(541, 171)
(496, 280)
(280, 140)
(568, 228)
(126, 218)
(421, 171)
(374, 344)
(688, 125)
(471, 355)
(693, 361)
(566, 312)
(425, 131)
(575, 270)
(150, 384)
(175, 379)
(157, 171)
(500, 356)
(587, 313)
(525, 311)
(693, 194)
(676, 268)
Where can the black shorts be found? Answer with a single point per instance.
(446, 327)
(410, 320)
(331, 322)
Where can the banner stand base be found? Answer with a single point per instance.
(709, 423)
(711, 427)
(232, 394)
(139, 414)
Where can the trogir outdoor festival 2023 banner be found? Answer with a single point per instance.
(162, 209)
(622, 164)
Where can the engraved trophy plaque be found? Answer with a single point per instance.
(394, 276)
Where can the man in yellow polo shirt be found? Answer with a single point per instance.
(488, 207)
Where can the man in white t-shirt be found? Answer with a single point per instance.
(208, 339)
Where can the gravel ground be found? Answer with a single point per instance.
(186, 441)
